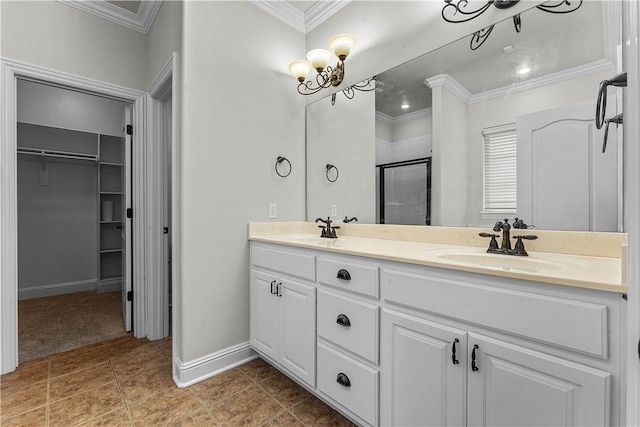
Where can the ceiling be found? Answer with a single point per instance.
(548, 43)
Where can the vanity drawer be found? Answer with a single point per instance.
(566, 322)
(348, 382)
(284, 261)
(349, 323)
(350, 276)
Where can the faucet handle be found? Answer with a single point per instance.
(493, 244)
(519, 249)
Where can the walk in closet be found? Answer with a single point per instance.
(70, 191)
(71, 198)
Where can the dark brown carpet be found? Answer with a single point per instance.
(65, 322)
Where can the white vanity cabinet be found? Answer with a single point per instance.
(283, 310)
(398, 344)
(348, 335)
(510, 385)
(521, 357)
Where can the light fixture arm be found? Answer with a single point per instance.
(324, 79)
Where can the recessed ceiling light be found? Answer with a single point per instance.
(524, 70)
(508, 49)
(404, 106)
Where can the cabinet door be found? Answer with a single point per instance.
(264, 314)
(298, 329)
(515, 386)
(420, 383)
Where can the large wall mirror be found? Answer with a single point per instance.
(464, 137)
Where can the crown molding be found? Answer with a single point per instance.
(284, 11)
(140, 21)
(538, 82)
(304, 22)
(419, 114)
(450, 84)
(320, 11)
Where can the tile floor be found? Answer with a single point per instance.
(127, 382)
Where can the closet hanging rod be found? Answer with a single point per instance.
(61, 154)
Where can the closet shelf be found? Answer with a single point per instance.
(111, 222)
(118, 193)
(110, 251)
(55, 153)
(118, 165)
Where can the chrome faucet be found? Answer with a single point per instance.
(505, 247)
(328, 230)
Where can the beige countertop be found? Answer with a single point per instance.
(589, 268)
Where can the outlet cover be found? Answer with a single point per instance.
(273, 210)
(334, 210)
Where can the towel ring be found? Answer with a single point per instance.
(329, 167)
(279, 161)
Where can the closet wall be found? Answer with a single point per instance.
(58, 204)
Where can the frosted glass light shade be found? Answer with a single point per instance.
(319, 58)
(300, 69)
(342, 44)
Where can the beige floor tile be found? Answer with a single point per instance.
(80, 381)
(137, 360)
(285, 419)
(16, 400)
(250, 407)
(144, 384)
(165, 345)
(258, 369)
(78, 360)
(314, 412)
(26, 374)
(85, 406)
(197, 419)
(123, 345)
(34, 418)
(284, 390)
(117, 418)
(221, 386)
(165, 408)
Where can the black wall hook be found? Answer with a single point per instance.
(279, 161)
(329, 167)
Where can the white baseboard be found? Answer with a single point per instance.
(189, 373)
(109, 286)
(56, 289)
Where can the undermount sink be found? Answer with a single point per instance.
(499, 261)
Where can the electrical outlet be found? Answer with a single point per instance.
(334, 210)
(273, 210)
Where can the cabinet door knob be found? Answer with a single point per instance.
(343, 380)
(474, 366)
(453, 352)
(273, 282)
(343, 320)
(343, 274)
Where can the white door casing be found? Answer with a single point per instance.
(127, 291)
(10, 71)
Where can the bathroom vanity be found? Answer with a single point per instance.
(397, 325)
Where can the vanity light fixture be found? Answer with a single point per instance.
(318, 59)
(458, 11)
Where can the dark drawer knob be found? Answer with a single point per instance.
(343, 380)
(343, 274)
(343, 320)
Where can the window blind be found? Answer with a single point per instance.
(500, 168)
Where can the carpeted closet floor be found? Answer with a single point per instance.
(61, 323)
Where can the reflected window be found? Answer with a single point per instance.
(500, 169)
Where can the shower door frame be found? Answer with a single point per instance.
(381, 198)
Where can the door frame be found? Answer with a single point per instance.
(160, 90)
(10, 71)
